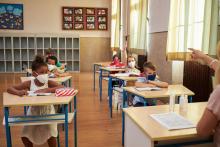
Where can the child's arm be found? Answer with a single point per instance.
(20, 89)
(52, 87)
(159, 84)
(140, 85)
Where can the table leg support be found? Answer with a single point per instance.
(7, 127)
(190, 99)
(94, 68)
(123, 116)
(100, 85)
(110, 94)
(66, 125)
(75, 121)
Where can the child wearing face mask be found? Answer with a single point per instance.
(132, 66)
(38, 134)
(147, 79)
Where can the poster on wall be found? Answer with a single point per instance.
(11, 16)
(82, 18)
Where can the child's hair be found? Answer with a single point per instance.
(38, 62)
(52, 58)
(115, 57)
(149, 65)
(49, 52)
(130, 56)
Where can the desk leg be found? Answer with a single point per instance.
(94, 67)
(190, 99)
(66, 125)
(100, 85)
(110, 94)
(7, 127)
(75, 121)
(123, 116)
(70, 85)
(25, 110)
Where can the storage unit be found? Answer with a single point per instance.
(17, 51)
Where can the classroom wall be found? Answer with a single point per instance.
(45, 16)
(158, 26)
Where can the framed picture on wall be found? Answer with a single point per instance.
(68, 11)
(67, 26)
(90, 26)
(78, 11)
(90, 19)
(90, 11)
(68, 18)
(78, 26)
(102, 11)
(102, 27)
(78, 19)
(102, 19)
(11, 16)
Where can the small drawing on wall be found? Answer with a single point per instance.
(90, 11)
(79, 18)
(78, 26)
(102, 19)
(78, 11)
(68, 11)
(102, 11)
(90, 19)
(67, 26)
(11, 16)
(90, 26)
(102, 27)
(68, 18)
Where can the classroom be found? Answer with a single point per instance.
(109, 73)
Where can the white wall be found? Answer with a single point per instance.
(158, 15)
(45, 16)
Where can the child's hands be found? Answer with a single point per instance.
(43, 91)
(22, 92)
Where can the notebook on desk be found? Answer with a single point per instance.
(148, 89)
(172, 121)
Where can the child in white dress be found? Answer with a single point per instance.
(38, 134)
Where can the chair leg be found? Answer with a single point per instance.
(58, 139)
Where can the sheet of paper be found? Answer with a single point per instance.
(122, 74)
(172, 121)
(148, 89)
(31, 93)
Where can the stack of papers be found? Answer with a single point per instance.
(148, 89)
(172, 121)
(32, 93)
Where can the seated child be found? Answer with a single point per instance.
(132, 66)
(116, 62)
(147, 79)
(57, 71)
(49, 52)
(38, 134)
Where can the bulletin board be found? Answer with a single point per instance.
(84, 18)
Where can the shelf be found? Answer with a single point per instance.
(30, 64)
(8, 66)
(17, 54)
(76, 66)
(75, 42)
(8, 44)
(31, 54)
(2, 56)
(61, 42)
(69, 65)
(76, 55)
(69, 43)
(2, 67)
(24, 65)
(46, 43)
(8, 55)
(16, 43)
(31, 42)
(17, 66)
(54, 43)
(24, 42)
(39, 42)
(24, 55)
(40, 52)
(62, 54)
(1, 43)
(69, 55)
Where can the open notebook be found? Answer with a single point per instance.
(172, 121)
(148, 89)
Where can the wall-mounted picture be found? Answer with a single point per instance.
(78, 18)
(90, 26)
(102, 27)
(78, 26)
(90, 11)
(78, 11)
(67, 11)
(102, 19)
(102, 12)
(68, 18)
(90, 19)
(11, 16)
(67, 26)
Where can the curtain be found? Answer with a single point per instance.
(192, 24)
(115, 24)
(138, 24)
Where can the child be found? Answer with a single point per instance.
(210, 121)
(147, 79)
(49, 53)
(116, 62)
(132, 66)
(57, 71)
(38, 134)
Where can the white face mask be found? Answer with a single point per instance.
(42, 78)
(51, 67)
(131, 64)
